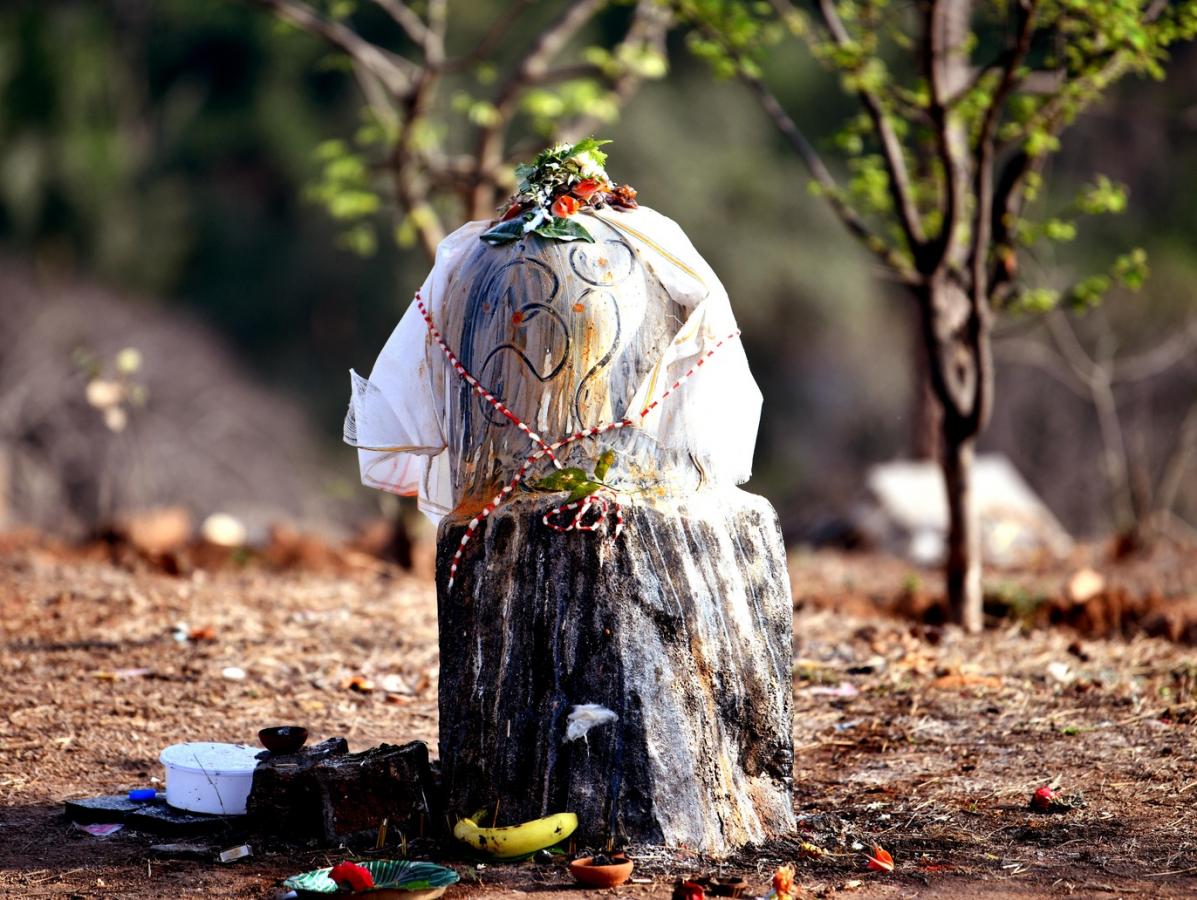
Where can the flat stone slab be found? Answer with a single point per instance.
(111, 808)
(149, 815)
(184, 851)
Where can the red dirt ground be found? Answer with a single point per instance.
(916, 738)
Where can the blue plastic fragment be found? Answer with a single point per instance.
(143, 794)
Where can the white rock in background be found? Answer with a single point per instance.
(224, 530)
(1084, 585)
(906, 513)
(159, 530)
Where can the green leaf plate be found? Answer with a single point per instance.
(388, 874)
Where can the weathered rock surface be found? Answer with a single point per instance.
(681, 627)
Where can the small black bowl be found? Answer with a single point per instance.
(283, 739)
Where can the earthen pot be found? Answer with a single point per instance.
(585, 872)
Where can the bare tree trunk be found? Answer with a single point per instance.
(963, 563)
(957, 342)
(925, 415)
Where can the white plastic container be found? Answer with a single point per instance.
(209, 778)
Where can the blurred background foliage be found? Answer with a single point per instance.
(170, 151)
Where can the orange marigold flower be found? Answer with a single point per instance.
(565, 206)
(584, 190)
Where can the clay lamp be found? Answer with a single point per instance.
(283, 739)
(601, 870)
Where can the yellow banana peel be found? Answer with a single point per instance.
(514, 841)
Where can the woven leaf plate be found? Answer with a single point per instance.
(397, 877)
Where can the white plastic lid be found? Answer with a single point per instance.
(211, 759)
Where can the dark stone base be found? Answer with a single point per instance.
(332, 796)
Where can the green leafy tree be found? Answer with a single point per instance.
(960, 104)
(437, 142)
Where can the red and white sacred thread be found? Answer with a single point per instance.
(603, 500)
(478, 388)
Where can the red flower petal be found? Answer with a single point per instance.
(880, 861)
(1043, 798)
(565, 206)
(584, 190)
(351, 875)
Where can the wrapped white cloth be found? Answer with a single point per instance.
(406, 418)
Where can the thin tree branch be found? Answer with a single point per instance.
(1027, 352)
(1159, 359)
(565, 73)
(434, 42)
(984, 176)
(901, 193)
(1051, 116)
(489, 152)
(1070, 348)
(411, 185)
(649, 27)
(550, 43)
(941, 24)
(819, 171)
(396, 73)
(1008, 204)
(494, 36)
(1097, 378)
(403, 16)
(378, 98)
(1179, 461)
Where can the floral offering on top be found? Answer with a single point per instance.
(561, 182)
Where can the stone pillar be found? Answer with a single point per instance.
(681, 628)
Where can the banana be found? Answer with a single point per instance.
(514, 841)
